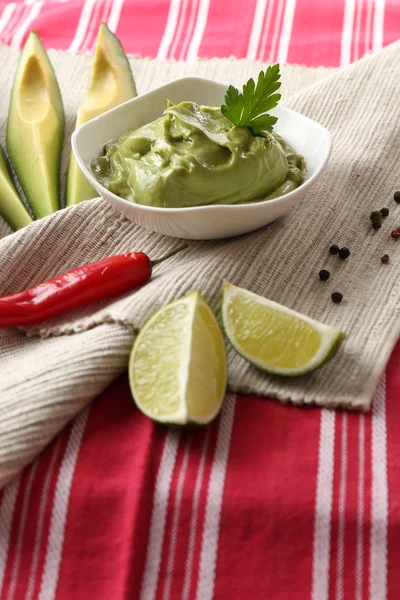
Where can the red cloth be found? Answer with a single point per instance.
(269, 501)
(309, 32)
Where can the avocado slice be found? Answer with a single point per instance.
(35, 128)
(111, 83)
(12, 208)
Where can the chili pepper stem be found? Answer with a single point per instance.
(169, 255)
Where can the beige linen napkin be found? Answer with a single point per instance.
(46, 380)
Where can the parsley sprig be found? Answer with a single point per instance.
(250, 109)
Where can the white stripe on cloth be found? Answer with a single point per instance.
(21, 530)
(189, 30)
(209, 546)
(93, 27)
(256, 29)
(17, 16)
(159, 516)
(6, 15)
(175, 522)
(179, 28)
(40, 523)
(90, 41)
(379, 19)
(169, 32)
(347, 33)
(368, 27)
(83, 24)
(286, 33)
(360, 510)
(277, 31)
(58, 520)
(16, 41)
(201, 22)
(267, 24)
(342, 512)
(115, 14)
(357, 29)
(323, 508)
(379, 497)
(7, 508)
(193, 521)
(104, 18)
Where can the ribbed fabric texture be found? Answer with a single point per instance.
(44, 382)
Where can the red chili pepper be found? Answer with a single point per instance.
(94, 281)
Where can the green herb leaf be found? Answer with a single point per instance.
(250, 109)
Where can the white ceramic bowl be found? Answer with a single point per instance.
(307, 137)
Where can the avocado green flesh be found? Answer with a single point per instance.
(12, 208)
(192, 156)
(35, 128)
(111, 83)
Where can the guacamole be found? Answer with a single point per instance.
(192, 156)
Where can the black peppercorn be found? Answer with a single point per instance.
(334, 249)
(397, 197)
(376, 225)
(385, 259)
(376, 215)
(344, 253)
(337, 297)
(324, 275)
(384, 212)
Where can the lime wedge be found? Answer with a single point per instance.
(273, 337)
(178, 364)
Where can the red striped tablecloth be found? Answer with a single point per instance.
(309, 32)
(269, 501)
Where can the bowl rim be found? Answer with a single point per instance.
(210, 207)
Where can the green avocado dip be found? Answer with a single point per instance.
(192, 156)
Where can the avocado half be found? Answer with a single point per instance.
(12, 208)
(111, 83)
(35, 128)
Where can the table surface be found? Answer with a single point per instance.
(269, 501)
